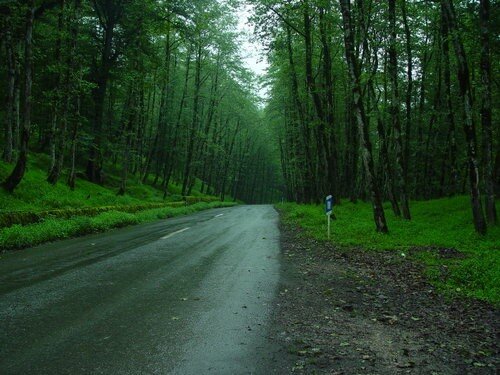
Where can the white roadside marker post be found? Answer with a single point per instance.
(328, 210)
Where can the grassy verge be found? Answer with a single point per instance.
(439, 229)
(34, 193)
(50, 229)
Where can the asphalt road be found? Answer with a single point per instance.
(189, 295)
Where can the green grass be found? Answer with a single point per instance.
(55, 212)
(34, 193)
(441, 223)
(17, 236)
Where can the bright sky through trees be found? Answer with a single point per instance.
(252, 51)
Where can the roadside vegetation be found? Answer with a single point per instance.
(458, 261)
(38, 212)
(34, 193)
(18, 236)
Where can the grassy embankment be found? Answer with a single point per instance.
(438, 228)
(38, 212)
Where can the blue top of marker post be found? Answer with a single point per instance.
(329, 204)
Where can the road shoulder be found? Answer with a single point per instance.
(346, 311)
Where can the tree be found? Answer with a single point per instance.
(359, 112)
(487, 133)
(20, 168)
(395, 115)
(469, 125)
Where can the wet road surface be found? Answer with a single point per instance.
(188, 295)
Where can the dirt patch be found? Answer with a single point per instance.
(442, 252)
(357, 312)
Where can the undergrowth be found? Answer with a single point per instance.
(437, 227)
(34, 193)
(50, 229)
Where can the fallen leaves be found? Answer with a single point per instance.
(373, 312)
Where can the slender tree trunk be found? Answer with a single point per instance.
(95, 161)
(417, 166)
(395, 115)
(332, 161)
(18, 173)
(17, 105)
(428, 170)
(469, 125)
(321, 140)
(195, 121)
(7, 155)
(128, 130)
(68, 88)
(409, 92)
(309, 192)
(173, 147)
(227, 161)
(450, 118)
(152, 141)
(487, 131)
(74, 143)
(385, 161)
(57, 95)
(496, 173)
(354, 74)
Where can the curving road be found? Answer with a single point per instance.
(189, 295)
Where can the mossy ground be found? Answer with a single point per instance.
(35, 193)
(438, 227)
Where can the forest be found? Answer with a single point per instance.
(385, 100)
(153, 89)
(367, 100)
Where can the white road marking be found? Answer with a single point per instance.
(174, 233)
(219, 215)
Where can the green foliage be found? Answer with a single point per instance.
(35, 194)
(437, 225)
(50, 229)
(38, 212)
(30, 217)
(35, 199)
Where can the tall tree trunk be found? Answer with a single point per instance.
(409, 92)
(18, 173)
(395, 115)
(172, 150)
(354, 74)
(322, 145)
(17, 103)
(450, 117)
(195, 121)
(67, 88)
(385, 161)
(330, 138)
(469, 125)
(487, 131)
(57, 95)
(74, 143)
(95, 161)
(7, 155)
(429, 154)
(309, 192)
(130, 119)
(227, 161)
